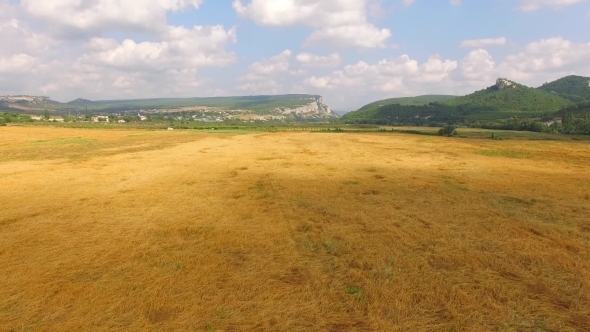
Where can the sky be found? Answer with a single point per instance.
(352, 52)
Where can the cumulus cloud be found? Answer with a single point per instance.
(271, 66)
(478, 43)
(478, 66)
(37, 61)
(183, 48)
(303, 12)
(551, 57)
(361, 36)
(263, 76)
(339, 23)
(22, 39)
(532, 5)
(314, 60)
(392, 75)
(17, 63)
(92, 17)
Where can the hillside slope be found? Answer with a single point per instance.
(509, 96)
(574, 88)
(25, 103)
(504, 100)
(409, 101)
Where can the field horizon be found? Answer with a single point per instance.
(152, 230)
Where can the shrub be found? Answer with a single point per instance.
(448, 130)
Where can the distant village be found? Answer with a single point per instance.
(132, 116)
(206, 116)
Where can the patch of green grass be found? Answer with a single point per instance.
(261, 191)
(334, 247)
(223, 313)
(356, 292)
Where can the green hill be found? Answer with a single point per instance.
(574, 88)
(409, 101)
(80, 102)
(504, 100)
(508, 96)
(401, 114)
(389, 108)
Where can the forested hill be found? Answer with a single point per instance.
(504, 100)
(409, 101)
(509, 96)
(374, 109)
(574, 88)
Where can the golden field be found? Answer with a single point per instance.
(121, 230)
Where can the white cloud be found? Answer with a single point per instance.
(361, 36)
(478, 43)
(532, 5)
(92, 17)
(478, 66)
(22, 39)
(262, 76)
(18, 63)
(38, 62)
(303, 12)
(339, 23)
(183, 48)
(395, 75)
(268, 67)
(313, 60)
(408, 2)
(455, 2)
(375, 9)
(557, 56)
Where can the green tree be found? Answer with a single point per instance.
(448, 130)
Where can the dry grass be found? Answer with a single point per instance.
(176, 231)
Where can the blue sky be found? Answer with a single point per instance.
(350, 51)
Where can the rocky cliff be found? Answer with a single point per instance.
(503, 83)
(26, 103)
(315, 109)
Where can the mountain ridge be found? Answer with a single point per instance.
(506, 100)
(297, 107)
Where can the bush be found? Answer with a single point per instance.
(448, 130)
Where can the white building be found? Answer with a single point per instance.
(100, 118)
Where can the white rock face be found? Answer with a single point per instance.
(315, 109)
(503, 83)
(13, 99)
